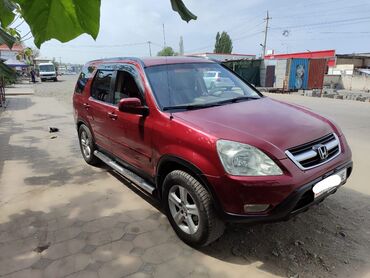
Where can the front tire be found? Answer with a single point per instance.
(87, 145)
(189, 208)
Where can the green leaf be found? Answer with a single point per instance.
(6, 12)
(88, 16)
(6, 38)
(63, 20)
(7, 72)
(14, 33)
(179, 6)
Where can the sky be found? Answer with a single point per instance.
(126, 26)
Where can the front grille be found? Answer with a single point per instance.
(307, 156)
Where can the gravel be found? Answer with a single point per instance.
(61, 90)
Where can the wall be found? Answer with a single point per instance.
(356, 82)
(333, 81)
(344, 69)
(249, 70)
(7, 54)
(281, 74)
(357, 62)
(263, 67)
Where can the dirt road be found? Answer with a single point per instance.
(98, 225)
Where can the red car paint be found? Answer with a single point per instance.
(145, 141)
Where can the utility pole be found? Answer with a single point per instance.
(164, 36)
(181, 46)
(150, 48)
(266, 30)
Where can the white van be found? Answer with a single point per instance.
(47, 71)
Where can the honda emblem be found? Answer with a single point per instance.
(322, 151)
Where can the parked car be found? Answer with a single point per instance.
(209, 158)
(215, 79)
(47, 71)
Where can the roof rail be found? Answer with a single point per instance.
(204, 57)
(119, 58)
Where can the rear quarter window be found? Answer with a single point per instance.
(86, 74)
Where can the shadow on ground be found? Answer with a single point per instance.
(331, 239)
(114, 233)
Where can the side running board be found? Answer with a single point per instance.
(139, 181)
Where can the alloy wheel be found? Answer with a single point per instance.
(85, 144)
(184, 210)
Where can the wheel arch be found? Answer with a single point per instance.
(169, 163)
(80, 122)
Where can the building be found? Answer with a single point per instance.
(223, 57)
(321, 54)
(349, 64)
(6, 53)
(358, 60)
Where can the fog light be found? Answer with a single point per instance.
(255, 207)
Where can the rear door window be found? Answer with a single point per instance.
(86, 74)
(101, 87)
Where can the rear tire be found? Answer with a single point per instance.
(87, 145)
(55, 79)
(190, 211)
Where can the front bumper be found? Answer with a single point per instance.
(48, 76)
(298, 201)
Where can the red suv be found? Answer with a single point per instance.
(210, 154)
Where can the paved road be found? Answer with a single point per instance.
(93, 224)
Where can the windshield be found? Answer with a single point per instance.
(46, 68)
(196, 85)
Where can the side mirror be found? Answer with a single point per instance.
(132, 105)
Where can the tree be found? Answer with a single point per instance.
(167, 51)
(223, 43)
(63, 20)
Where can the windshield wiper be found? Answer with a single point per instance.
(233, 100)
(200, 106)
(190, 106)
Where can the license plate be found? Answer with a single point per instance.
(330, 183)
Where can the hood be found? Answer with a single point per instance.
(262, 123)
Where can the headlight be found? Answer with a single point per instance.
(245, 160)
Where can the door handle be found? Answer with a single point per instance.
(112, 115)
(86, 105)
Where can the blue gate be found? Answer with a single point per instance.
(298, 77)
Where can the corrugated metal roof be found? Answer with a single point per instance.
(365, 71)
(16, 47)
(308, 54)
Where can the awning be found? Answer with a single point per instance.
(15, 63)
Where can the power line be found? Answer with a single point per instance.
(19, 24)
(247, 36)
(353, 20)
(324, 12)
(105, 46)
